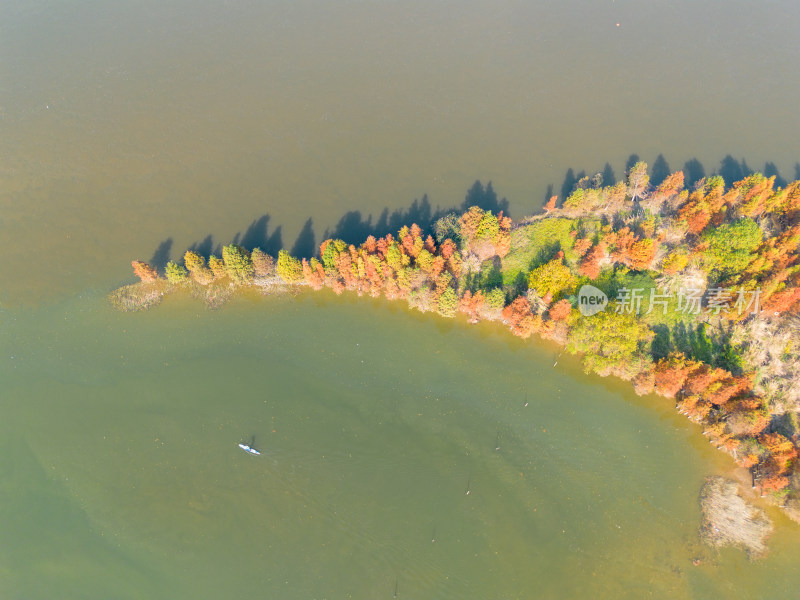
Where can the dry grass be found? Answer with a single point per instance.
(729, 521)
(215, 294)
(773, 351)
(138, 296)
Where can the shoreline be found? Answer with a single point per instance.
(722, 369)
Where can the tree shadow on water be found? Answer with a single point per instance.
(204, 247)
(732, 170)
(609, 178)
(354, 227)
(161, 255)
(660, 170)
(771, 170)
(305, 246)
(485, 198)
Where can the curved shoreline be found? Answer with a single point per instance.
(723, 367)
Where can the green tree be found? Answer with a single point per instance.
(611, 343)
(448, 226)
(238, 265)
(176, 273)
(495, 298)
(447, 303)
(395, 257)
(289, 268)
(333, 248)
(217, 266)
(196, 265)
(425, 260)
(675, 262)
(193, 261)
(551, 278)
(731, 247)
(488, 227)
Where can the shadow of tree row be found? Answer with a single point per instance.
(713, 347)
(353, 227)
(730, 169)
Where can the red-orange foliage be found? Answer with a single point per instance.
(551, 204)
(382, 246)
(781, 452)
(780, 448)
(773, 483)
(671, 374)
(697, 217)
(701, 377)
(454, 263)
(337, 286)
(370, 244)
(581, 246)
(412, 245)
(644, 382)
(641, 254)
(671, 186)
(620, 243)
(520, 317)
(430, 245)
(787, 202)
(437, 266)
(447, 248)
(727, 388)
(560, 310)
(344, 265)
(784, 301)
(408, 244)
(469, 222)
(502, 243)
(590, 265)
(312, 276)
(471, 305)
(746, 416)
(695, 407)
(752, 194)
(144, 271)
(777, 253)
(747, 461)
(372, 273)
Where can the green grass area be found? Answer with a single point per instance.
(535, 244)
(676, 330)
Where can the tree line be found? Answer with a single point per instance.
(527, 274)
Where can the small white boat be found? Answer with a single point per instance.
(249, 449)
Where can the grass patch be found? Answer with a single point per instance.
(535, 244)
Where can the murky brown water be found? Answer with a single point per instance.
(124, 124)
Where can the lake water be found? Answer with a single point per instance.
(125, 125)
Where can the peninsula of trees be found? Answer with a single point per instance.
(703, 287)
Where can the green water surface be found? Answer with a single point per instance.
(121, 475)
(131, 130)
